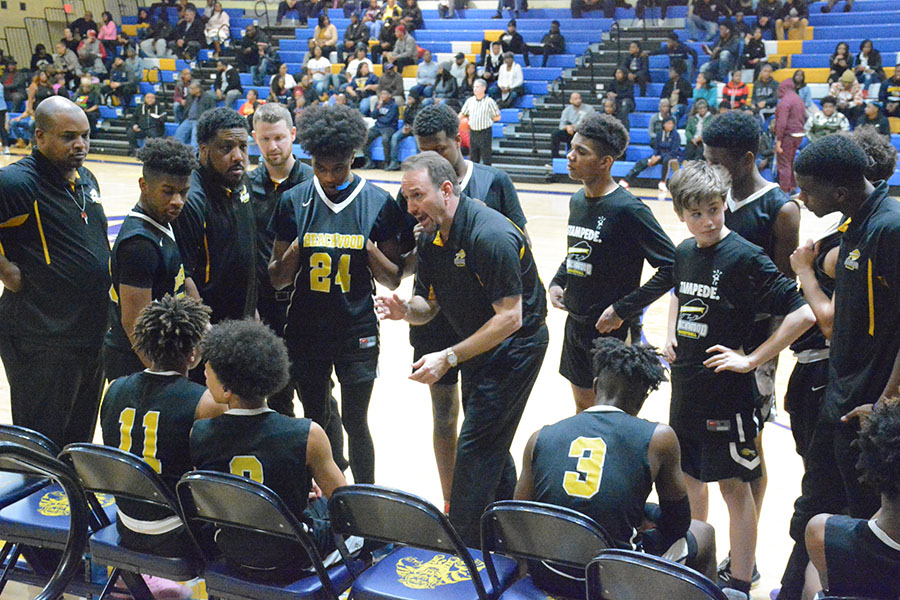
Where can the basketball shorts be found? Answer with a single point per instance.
(722, 449)
(575, 362)
(354, 360)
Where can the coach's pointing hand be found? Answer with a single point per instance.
(430, 368)
(391, 307)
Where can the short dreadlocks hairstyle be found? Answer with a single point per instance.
(879, 449)
(169, 329)
(217, 119)
(336, 131)
(167, 156)
(637, 364)
(607, 134)
(248, 358)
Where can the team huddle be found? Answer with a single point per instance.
(227, 292)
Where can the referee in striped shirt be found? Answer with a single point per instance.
(482, 112)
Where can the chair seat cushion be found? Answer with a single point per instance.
(412, 573)
(524, 589)
(107, 549)
(14, 487)
(42, 518)
(223, 581)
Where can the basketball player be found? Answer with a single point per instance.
(245, 362)
(323, 228)
(763, 214)
(145, 264)
(150, 414)
(610, 235)
(604, 461)
(436, 128)
(278, 172)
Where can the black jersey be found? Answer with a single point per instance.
(596, 463)
(268, 448)
(55, 232)
(609, 238)
(754, 217)
(481, 182)
(866, 305)
(145, 255)
(720, 288)
(265, 195)
(332, 299)
(813, 338)
(150, 415)
(485, 259)
(862, 560)
(216, 235)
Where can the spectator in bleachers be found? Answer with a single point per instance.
(514, 5)
(868, 65)
(790, 117)
(553, 42)
(405, 51)
(792, 17)
(636, 67)
(390, 11)
(468, 86)
(134, 63)
(872, 117)
(278, 92)
(826, 122)
(889, 94)
(848, 5)
(666, 151)
(217, 29)
(621, 89)
(353, 6)
(358, 59)
(849, 96)
(803, 91)
(754, 54)
(84, 24)
(88, 98)
(70, 40)
(15, 85)
(491, 62)
(386, 40)
(182, 5)
(363, 85)
(91, 54)
(370, 19)
(40, 58)
(355, 35)
(482, 113)
(765, 93)
(741, 27)
(411, 16)
(425, 75)
(724, 55)
(765, 15)
(108, 34)
(693, 132)
(181, 93)
(386, 115)
(677, 51)
(227, 84)
(707, 91)
(187, 39)
(148, 122)
(512, 41)
(510, 84)
(326, 36)
(735, 92)
(196, 105)
(289, 81)
(571, 116)
(609, 108)
(319, 68)
(248, 108)
(582, 6)
(839, 62)
(458, 67)
(678, 91)
(286, 6)
(121, 84)
(703, 18)
(413, 103)
(155, 44)
(310, 46)
(445, 88)
(392, 80)
(766, 154)
(66, 62)
(125, 42)
(22, 126)
(665, 112)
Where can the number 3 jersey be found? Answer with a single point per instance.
(596, 463)
(332, 314)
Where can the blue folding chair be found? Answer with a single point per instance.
(539, 532)
(19, 458)
(238, 502)
(107, 470)
(433, 563)
(629, 575)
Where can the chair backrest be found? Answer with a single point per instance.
(628, 575)
(390, 515)
(538, 531)
(29, 438)
(20, 458)
(230, 500)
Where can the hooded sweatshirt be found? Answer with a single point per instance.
(790, 113)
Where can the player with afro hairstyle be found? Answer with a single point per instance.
(331, 131)
(879, 148)
(169, 331)
(246, 360)
(167, 156)
(432, 119)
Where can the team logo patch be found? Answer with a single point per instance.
(94, 196)
(440, 570)
(368, 342)
(576, 260)
(689, 314)
(56, 503)
(851, 263)
(600, 222)
(716, 275)
(245, 195)
(460, 259)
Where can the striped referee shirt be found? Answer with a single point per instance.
(481, 113)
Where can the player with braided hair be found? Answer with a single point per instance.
(604, 461)
(150, 414)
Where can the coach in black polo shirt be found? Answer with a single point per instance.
(216, 231)
(476, 266)
(54, 256)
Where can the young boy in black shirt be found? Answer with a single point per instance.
(721, 280)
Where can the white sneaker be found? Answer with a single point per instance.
(662, 187)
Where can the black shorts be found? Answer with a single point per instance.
(427, 345)
(349, 372)
(354, 358)
(803, 400)
(726, 450)
(575, 362)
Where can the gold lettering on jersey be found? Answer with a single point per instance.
(56, 503)
(440, 570)
(334, 240)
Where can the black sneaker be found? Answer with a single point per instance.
(724, 573)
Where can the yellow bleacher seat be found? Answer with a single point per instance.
(166, 64)
(794, 34)
(895, 124)
(377, 70)
(789, 47)
(150, 76)
(336, 68)
(492, 35)
(410, 71)
(476, 47)
(813, 75)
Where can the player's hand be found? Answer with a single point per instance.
(430, 368)
(418, 230)
(726, 359)
(315, 492)
(803, 257)
(391, 307)
(861, 412)
(778, 149)
(608, 321)
(11, 277)
(669, 350)
(556, 297)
